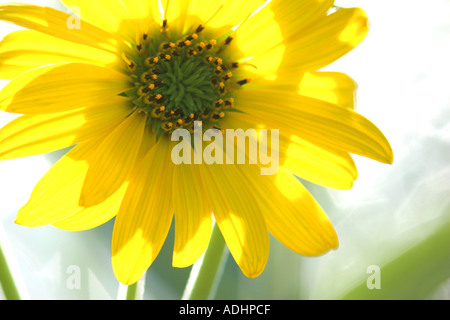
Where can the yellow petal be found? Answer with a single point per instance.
(61, 87)
(291, 213)
(331, 169)
(55, 195)
(116, 16)
(145, 215)
(326, 167)
(193, 216)
(266, 34)
(139, 9)
(326, 41)
(23, 50)
(296, 36)
(55, 23)
(238, 216)
(293, 16)
(113, 160)
(93, 216)
(316, 121)
(231, 12)
(55, 198)
(333, 87)
(36, 134)
(260, 42)
(214, 14)
(323, 166)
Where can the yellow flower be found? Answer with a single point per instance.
(116, 83)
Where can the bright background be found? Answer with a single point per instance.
(396, 217)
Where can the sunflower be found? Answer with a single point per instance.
(117, 80)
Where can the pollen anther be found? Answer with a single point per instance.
(244, 81)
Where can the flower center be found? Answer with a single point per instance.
(183, 78)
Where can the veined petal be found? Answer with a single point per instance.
(333, 87)
(55, 197)
(55, 23)
(61, 87)
(217, 14)
(260, 41)
(324, 166)
(36, 134)
(232, 12)
(332, 169)
(113, 160)
(266, 34)
(193, 216)
(23, 50)
(281, 22)
(93, 216)
(316, 121)
(326, 41)
(297, 46)
(144, 217)
(238, 217)
(291, 213)
(294, 16)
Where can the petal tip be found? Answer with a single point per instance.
(123, 274)
(180, 264)
(24, 222)
(19, 222)
(253, 274)
(391, 158)
(388, 157)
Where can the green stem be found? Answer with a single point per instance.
(207, 271)
(6, 278)
(134, 291)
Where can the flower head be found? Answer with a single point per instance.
(120, 83)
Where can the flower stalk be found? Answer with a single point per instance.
(133, 291)
(7, 282)
(207, 271)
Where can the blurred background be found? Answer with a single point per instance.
(393, 226)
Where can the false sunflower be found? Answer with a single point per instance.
(115, 79)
